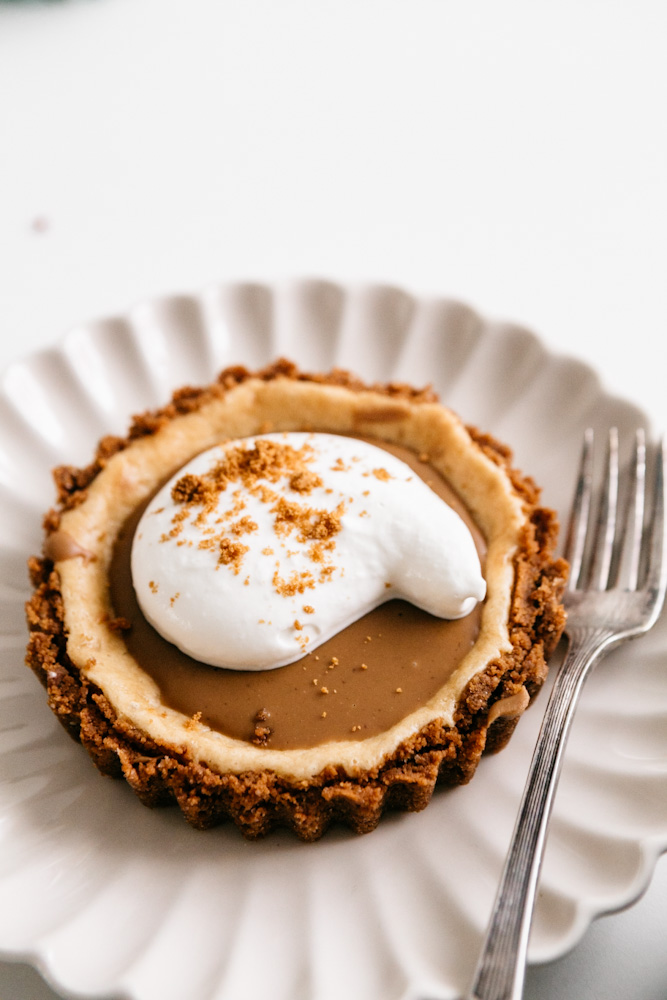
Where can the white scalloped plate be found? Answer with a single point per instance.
(108, 897)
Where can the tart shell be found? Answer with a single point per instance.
(257, 801)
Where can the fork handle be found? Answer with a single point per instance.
(501, 966)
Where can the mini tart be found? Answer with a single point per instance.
(105, 700)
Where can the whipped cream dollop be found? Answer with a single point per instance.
(262, 548)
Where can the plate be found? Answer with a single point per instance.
(108, 897)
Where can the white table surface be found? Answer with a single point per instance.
(511, 155)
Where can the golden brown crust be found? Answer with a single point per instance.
(258, 801)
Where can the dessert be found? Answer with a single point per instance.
(355, 700)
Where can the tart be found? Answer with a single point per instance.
(371, 719)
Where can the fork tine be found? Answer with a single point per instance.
(578, 524)
(636, 509)
(657, 552)
(626, 562)
(605, 531)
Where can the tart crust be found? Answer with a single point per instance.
(106, 701)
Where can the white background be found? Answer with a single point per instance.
(513, 155)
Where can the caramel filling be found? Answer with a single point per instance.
(358, 684)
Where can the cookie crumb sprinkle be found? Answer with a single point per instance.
(194, 722)
(262, 731)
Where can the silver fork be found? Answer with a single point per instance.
(616, 589)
